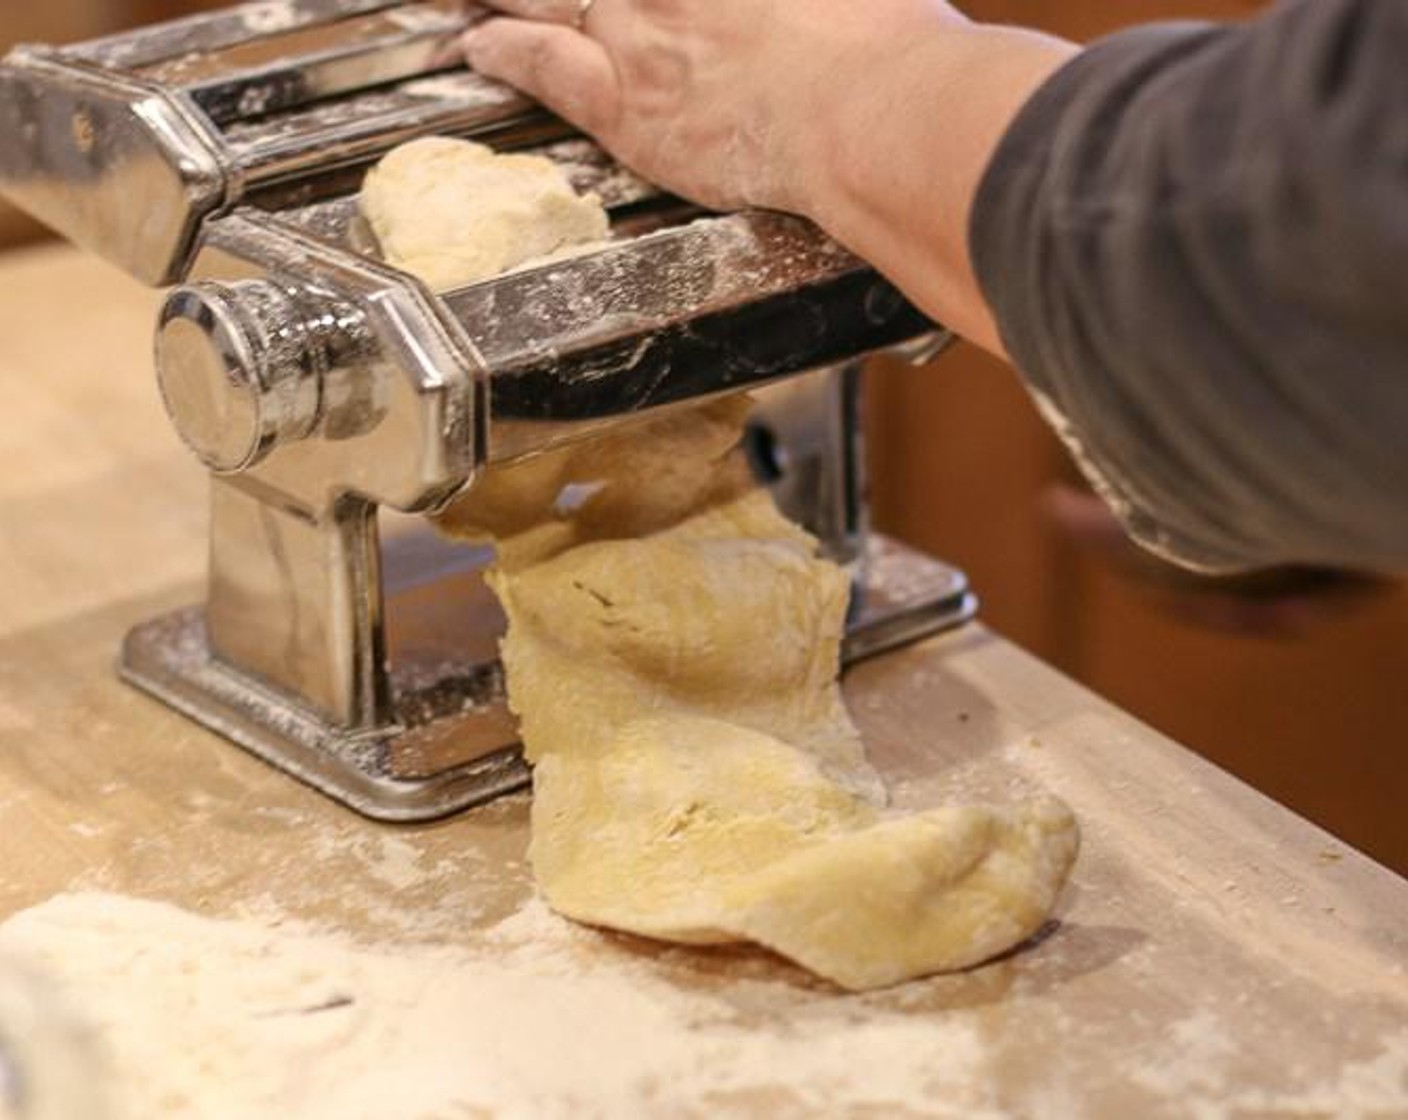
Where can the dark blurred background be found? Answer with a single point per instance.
(1298, 685)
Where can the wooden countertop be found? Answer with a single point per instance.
(1215, 954)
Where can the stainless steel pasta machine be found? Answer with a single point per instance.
(318, 385)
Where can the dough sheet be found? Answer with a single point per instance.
(673, 655)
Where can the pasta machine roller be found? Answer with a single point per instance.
(322, 387)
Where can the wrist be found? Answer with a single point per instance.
(822, 80)
(860, 91)
(894, 171)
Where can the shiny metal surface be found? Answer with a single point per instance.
(284, 66)
(360, 398)
(78, 146)
(899, 595)
(399, 389)
(448, 741)
(231, 389)
(319, 385)
(278, 103)
(213, 31)
(322, 149)
(677, 309)
(716, 305)
(804, 441)
(719, 304)
(295, 601)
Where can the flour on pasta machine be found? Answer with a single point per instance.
(319, 385)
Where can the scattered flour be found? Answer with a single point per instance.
(1197, 1068)
(396, 863)
(157, 1012)
(217, 1019)
(269, 16)
(12, 718)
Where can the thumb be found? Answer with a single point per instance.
(567, 71)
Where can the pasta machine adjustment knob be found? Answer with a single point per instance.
(240, 368)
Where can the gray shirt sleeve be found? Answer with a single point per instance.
(1195, 242)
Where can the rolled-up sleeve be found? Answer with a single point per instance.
(1195, 242)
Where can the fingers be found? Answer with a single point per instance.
(545, 11)
(568, 72)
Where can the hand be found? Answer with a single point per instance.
(874, 118)
(728, 102)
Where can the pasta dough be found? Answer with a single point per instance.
(697, 777)
(453, 212)
(672, 655)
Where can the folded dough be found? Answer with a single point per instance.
(697, 777)
(672, 654)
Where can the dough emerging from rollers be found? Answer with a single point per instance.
(697, 777)
(453, 212)
(673, 654)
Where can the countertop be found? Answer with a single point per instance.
(1214, 954)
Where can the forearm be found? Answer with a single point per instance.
(1191, 239)
(1194, 240)
(895, 176)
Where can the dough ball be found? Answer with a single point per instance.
(453, 212)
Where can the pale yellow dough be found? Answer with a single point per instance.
(453, 211)
(701, 830)
(698, 778)
(672, 654)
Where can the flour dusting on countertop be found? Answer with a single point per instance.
(220, 1019)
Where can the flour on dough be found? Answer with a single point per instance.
(672, 654)
(697, 777)
(453, 211)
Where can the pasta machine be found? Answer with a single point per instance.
(319, 385)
